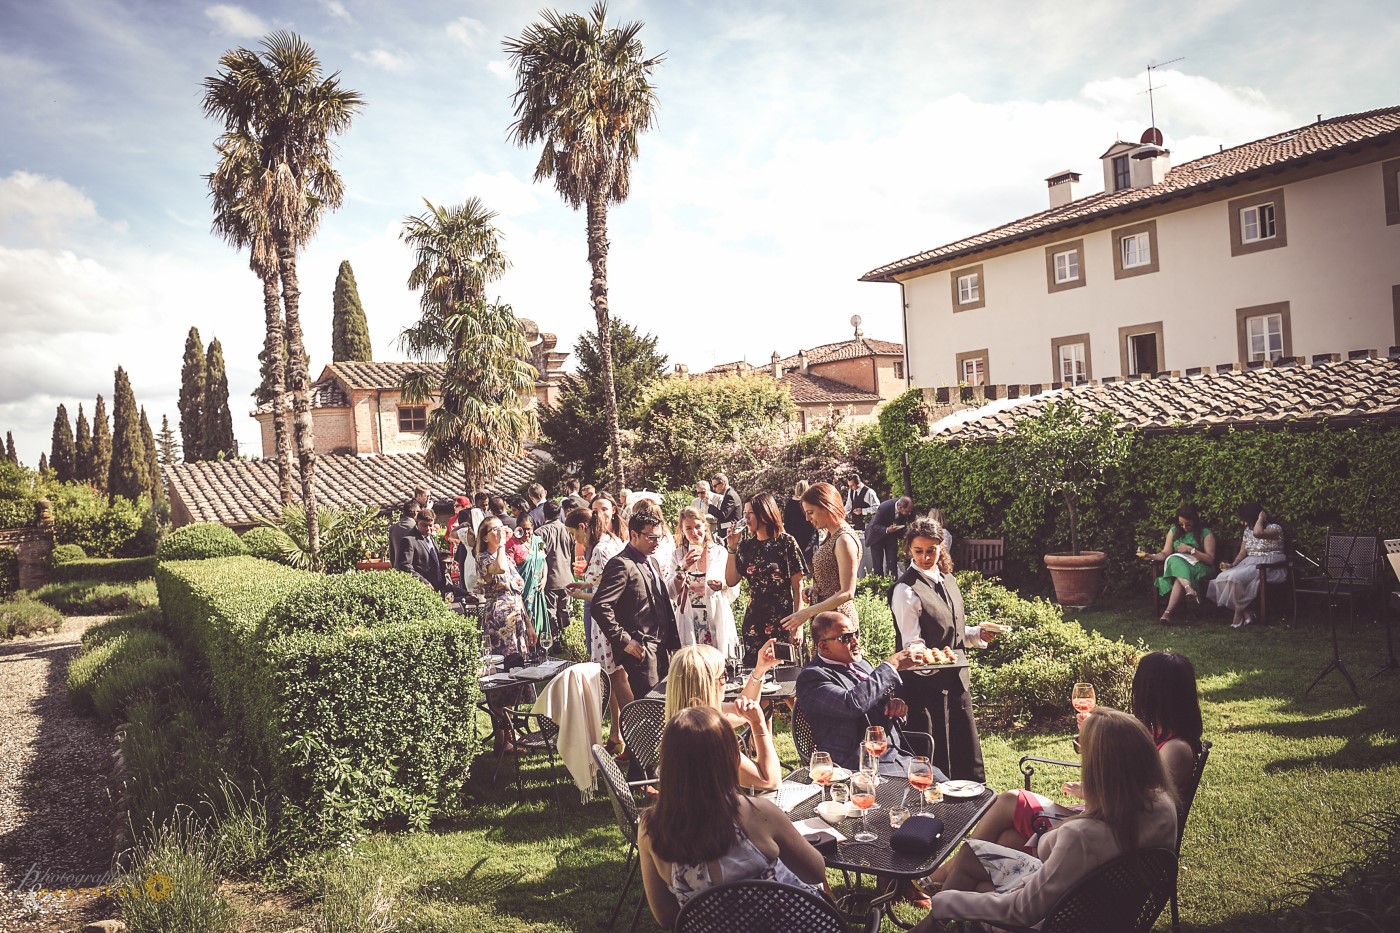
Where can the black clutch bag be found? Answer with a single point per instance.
(823, 843)
(920, 833)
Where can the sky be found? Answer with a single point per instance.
(798, 145)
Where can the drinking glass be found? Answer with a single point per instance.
(898, 815)
(869, 763)
(920, 776)
(547, 641)
(863, 796)
(1083, 700)
(876, 742)
(821, 770)
(840, 792)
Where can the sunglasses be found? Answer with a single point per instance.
(845, 638)
(652, 538)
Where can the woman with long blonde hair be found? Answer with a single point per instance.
(697, 677)
(703, 598)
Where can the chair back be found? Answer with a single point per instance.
(1352, 559)
(623, 803)
(802, 736)
(985, 555)
(642, 724)
(758, 907)
(1392, 554)
(1189, 795)
(1124, 895)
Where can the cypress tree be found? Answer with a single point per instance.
(166, 444)
(101, 445)
(217, 430)
(10, 454)
(154, 486)
(192, 378)
(349, 329)
(64, 453)
(43, 463)
(82, 450)
(128, 476)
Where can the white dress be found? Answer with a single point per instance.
(599, 648)
(1238, 587)
(705, 615)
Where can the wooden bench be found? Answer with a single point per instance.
(985, 555)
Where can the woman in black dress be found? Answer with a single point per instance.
(796, 524)
(772, 563)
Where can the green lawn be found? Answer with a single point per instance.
(1286, 774)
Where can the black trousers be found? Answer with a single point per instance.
(558, 603)
(944, 699)
(645, 673)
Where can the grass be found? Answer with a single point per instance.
(89, 598)
(23, 615)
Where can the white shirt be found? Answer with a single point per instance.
(907, 608)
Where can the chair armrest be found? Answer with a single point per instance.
(1028, 770)
(872, 920)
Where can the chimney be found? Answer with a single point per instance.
(777, 366)
(1150, 160)
(802, 360)
(1062, 187)
(682, 371)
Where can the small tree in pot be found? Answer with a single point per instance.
(1069, 451)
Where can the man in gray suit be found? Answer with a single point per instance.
(401, 529)
(558, 546)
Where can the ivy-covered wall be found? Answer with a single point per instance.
(1310, 478)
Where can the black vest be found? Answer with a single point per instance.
(940, 611)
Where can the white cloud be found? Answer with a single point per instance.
(235, 20)
(336, 8)
(502, 192)
(467, 31)
(382, 58)
(36, 208)
(501, 69)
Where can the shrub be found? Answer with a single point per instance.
(200, 541)
(96, 599)
(83, 516)
(9, 571)
(173, 883)
(266, 543)
(346, 535)
(1360, 892)
(64, 553)
(355, 899)
(25, 616)
(118, 662)
(105, 570)
(351, 601)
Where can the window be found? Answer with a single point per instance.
(1390, 186)
(1070, 359)
(969, 288)
(1264, 332)
(972, 368)
(1136, 250)
(1122, 173)
(1064, 266)
(1258, 222)
(899, 369)
(1140, 349)
(413, 417)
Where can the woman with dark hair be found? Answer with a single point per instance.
(592, 530)
(505, 625)
(771, 561)
(796, 524)
(702, 833)
(1189, 560)
(835, 562)
(1129, 805)
(1237, 586)
(699, 588)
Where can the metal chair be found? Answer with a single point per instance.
(764, 907)
(1225, 549)
(628, 816)
(805, 742)
(642, 723)
(538, 734)
(1351, 568)
(1125, 895)
(1188, 796)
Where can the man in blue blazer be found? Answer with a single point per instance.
(842, 695)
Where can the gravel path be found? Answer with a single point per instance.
(55, 812)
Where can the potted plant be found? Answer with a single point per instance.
(1067, 450)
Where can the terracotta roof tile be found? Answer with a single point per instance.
(826, 353)
(237, 492)
(1271, 153)
(376, 374)
(324, 394)
(1362, 387)
(808, 389)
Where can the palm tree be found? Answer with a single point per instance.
(584, 89)
(279, 115)
(486, 385)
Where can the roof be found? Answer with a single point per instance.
(238, 492)
(375, 374)
(324, 394)
(1362, 388)
(810, 389)
(852, 349)
(1271, 154)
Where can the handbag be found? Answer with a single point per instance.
(919, 834)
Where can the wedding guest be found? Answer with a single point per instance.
(795, 522)
(703, 598)
(1189, 560)
(771, 562)
(1237, 585)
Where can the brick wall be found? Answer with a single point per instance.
(33, 546)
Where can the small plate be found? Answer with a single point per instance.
(770, 688)
(961, 788)
(840, 774)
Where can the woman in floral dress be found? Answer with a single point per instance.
(771, 561)
(599, 535)
(505, 624)
(835, 561)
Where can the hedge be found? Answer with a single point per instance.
(266, 543)
(9, 571)
(360, 722)
(1309, 479)
(90, 598)
(24, 615)
(63, 553)
(104, 569)
(200, 541)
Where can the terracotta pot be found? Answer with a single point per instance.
(1078, 578)
(372, 565)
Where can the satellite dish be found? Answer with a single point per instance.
(855, 320)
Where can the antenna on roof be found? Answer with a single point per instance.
(1151, 67)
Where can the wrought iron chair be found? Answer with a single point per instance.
(764, 907)
(805, 742)
(538, 735)
(1188, 796)
(1350, 569)
(628, 816)
(1125, 895)
(642, 723)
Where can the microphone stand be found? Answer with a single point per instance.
(1336, 585)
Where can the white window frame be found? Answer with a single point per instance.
(1257, 223)
(1068, 269)
(1079, 371)
(1136, 250)
(1264, 337)
(969, 288)
(974, 371)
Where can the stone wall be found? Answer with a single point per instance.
(33, 547)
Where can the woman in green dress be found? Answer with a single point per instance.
(1189, 560)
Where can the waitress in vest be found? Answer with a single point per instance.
(927, 604)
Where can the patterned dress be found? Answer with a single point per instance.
(599, 648)
(1238, 587)
(769, 567)
(826, 571)
(505, 624)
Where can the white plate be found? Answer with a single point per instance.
(771, 688)
(840, 774)
(961, 788)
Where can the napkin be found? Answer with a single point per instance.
(816, 826)
(789, 794)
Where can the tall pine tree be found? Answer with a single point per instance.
(63, 452)
(101, 445)
(349, 329)
(128, 476)
(166, 444)
(82, 449)
(192, 379)
(155, 488)
(43, 463)
(217, 432)
(10, 453)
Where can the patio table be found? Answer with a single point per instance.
(534, 674)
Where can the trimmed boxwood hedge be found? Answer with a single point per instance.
(359, 717)
(267, 543)
(64, 553)
(104, 569)
(200, 541)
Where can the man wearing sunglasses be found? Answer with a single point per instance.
(842, 695)
(633, 610)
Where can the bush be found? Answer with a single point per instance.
(105, 570)
(64, 553)
(9, 571)
(266, 543)
(98, 599)
(25, 616)
(1360, 892)
(83, 516)
(118, 662)
(173, 883)
(200, 541)
(348, 602)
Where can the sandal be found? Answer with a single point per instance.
(1166, 618)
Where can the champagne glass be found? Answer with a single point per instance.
(863, 796)
(875, 741)
(547, 640)
(869, 763)
(821, 770)
(920, 776)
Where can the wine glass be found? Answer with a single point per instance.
(1083, 700)
(920, 776)
(821, 770)
(875, 741)
(863, 796)
(547, 641)
(869, 763)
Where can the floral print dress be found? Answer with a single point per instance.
(599, 648)
(504, 621)
(769, 567)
